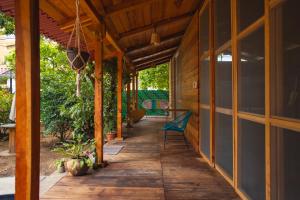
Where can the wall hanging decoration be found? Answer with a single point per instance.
(77, 49)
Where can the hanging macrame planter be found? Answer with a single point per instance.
(77, 57)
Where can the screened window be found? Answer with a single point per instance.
(286, 161)
(204, 31)
(204, 81)
(205, 131)
(249, 12)
(223, 144)
(223, 22)
(251, 83)
(224, 79)
(251, 159)
(285, 63)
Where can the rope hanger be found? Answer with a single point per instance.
(76, 57)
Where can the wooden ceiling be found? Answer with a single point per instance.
(129, 24)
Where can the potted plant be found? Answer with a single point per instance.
(60, 165)
(80, 153)
(77, 59)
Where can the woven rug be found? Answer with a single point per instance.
(112, 149)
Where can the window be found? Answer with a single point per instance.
(204, 31)
(223, 143)
(224, 79)
(223, 22)
(204, 82)
(285, 150)
(251, 83)
(251, 159)
(285, 60)
(249, 12)
(205, 131)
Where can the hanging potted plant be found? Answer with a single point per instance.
(77, 56)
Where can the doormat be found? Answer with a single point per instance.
(112, 149)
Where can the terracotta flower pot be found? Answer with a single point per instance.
(74, 168)
(78, 63)
(111, 135)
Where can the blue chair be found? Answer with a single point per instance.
(179, 124)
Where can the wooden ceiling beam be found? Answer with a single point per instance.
(164, 41)
(142, 67)
(154, 61)
(169, 55)
(156, 24)
(126, 6)
(68, 26)
(166, 51)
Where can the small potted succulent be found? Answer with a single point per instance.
(80, 153)
(60, 165)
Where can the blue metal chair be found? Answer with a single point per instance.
(179, 124)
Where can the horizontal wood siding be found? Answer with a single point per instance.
(187, 73)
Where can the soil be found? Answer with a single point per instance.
(47, 158)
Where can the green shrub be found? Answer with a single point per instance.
(5, 105)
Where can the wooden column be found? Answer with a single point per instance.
(119, 96)
(128, 103)
(27, 100)
(98, 117)
(137, 91)
(133, 90)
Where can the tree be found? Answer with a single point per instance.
(155, 78)
(7, 25)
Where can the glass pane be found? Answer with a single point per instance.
(205, 131)
(204, 31)
(251, 159)
(223, 143)
(249, 12)
(251, 82)
(285, 63)
(204, 81)
(224, 80)
(223, 22)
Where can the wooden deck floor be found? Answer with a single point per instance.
(144, 171)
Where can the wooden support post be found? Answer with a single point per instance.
(137, 91)
(133, 91)
(128, 105)
(27, 100)
(98, 117)
(119, 96)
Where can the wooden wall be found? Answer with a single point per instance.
(187, 78)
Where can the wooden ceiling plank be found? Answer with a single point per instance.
(126, 6)
(154, 64)
(155, 54)
(155, 59)
(164, 41)
(156, 24)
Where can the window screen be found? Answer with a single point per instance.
(223, 143)
(204, 81)
(251, 159)
(224, 79)
(249, 12)
(223, 22)
(205, 131)
(251, 83)
(285, 63)
(285, 163)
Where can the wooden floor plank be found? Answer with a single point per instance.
(144, 171)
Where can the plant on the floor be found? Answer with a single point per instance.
(110, 100)
(81, 154)
(60, 165)
(5, 104)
